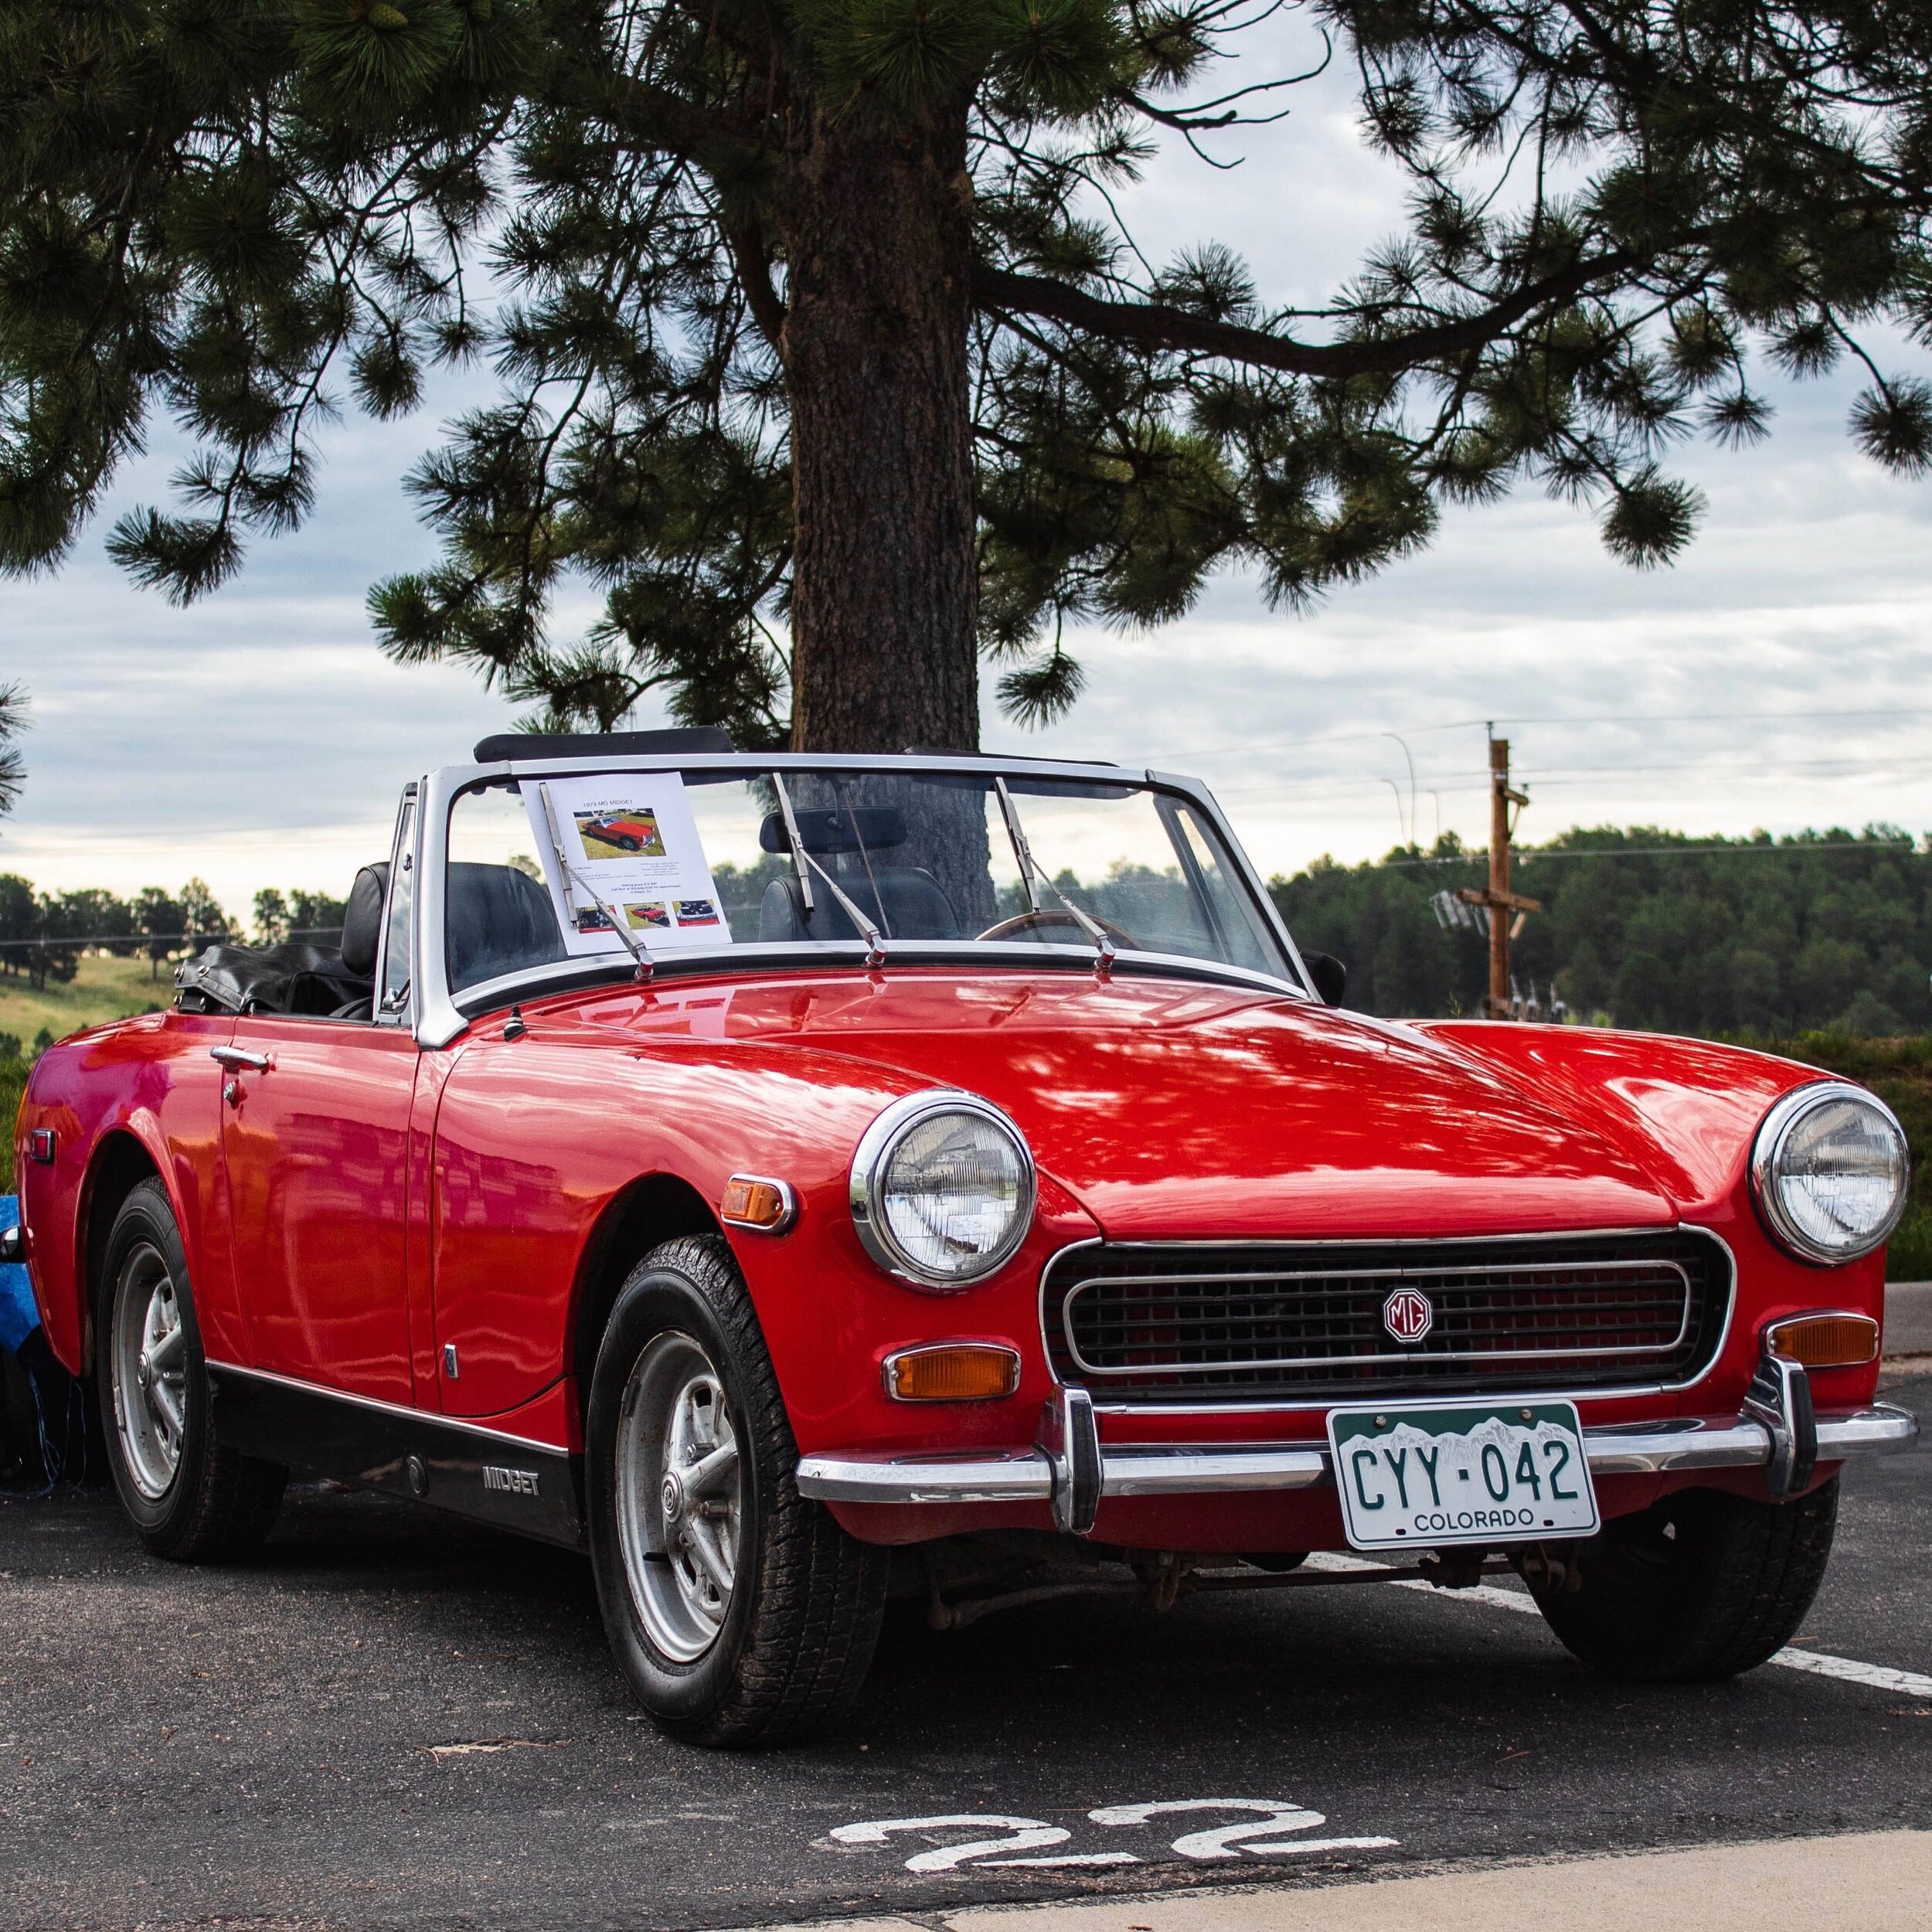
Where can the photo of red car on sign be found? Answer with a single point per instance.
(620, 835)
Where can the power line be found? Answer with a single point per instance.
(157, 939)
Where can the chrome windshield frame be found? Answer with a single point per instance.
(442, 1015)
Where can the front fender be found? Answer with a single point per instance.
(536, 1138)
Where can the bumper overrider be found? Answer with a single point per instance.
(1777, 1431)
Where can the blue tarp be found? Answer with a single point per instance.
(18, 1317)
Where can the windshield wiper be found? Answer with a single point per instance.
(640, 958)
(1030, 869)
(801, 859)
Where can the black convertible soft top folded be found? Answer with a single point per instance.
(288, 978)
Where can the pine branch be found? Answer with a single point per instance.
(1158, 326)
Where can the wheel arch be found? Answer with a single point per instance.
(119, 1162)
(653, 1209)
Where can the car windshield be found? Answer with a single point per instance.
(678, 863)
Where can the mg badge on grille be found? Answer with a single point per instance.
(1408, 1316)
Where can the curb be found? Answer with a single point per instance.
(1908, 1318)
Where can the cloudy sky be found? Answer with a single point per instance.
(1778, 676)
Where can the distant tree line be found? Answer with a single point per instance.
(1643, 928)
(313, 917)
(42, 935)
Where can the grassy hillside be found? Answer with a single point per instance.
(101, 989)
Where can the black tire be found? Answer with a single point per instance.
(802, 1619)
(216, 1502)
(1699, 1587)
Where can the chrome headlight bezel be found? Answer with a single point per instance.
(1774, 1137)
(869, 1163)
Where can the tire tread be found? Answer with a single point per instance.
(232, 1500)
(822, 1592)
(1729, 1596)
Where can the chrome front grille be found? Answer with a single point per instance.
(1156, 1322)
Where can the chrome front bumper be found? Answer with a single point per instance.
(1072, 1470)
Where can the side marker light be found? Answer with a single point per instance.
(1830, 1339)
(953, 1372)
(755, 1201)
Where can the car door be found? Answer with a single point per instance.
(315, 1137)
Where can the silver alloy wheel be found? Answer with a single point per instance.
(149, 1358)
(679, 1496)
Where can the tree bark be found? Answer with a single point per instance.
(885, 582)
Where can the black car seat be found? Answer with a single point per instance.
(907, 901)
(362, 920)
(363, 936)
(500, 920)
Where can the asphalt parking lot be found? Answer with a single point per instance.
(392, 1719)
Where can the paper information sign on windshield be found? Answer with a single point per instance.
(632, 842)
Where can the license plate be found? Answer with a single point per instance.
(1462, 1472)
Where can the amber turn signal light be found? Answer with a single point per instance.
(953, 1372)
(1831, 1340)
(752, 1201)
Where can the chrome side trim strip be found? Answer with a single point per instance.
(379, 1407)
(1215, 1469)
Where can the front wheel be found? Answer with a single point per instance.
(1701, 1585)
(741, 1612)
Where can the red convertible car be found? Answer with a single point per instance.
(999, 1207)
(628, 834)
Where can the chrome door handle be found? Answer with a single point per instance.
(240, 1056)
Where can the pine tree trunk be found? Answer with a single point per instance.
(885, 586)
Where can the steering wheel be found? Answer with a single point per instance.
(1036, 921)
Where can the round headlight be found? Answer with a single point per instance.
(942, 1189)
(1830, 1171)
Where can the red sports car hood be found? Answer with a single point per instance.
(1175, 1109)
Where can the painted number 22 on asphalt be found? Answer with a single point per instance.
(1259, 1834)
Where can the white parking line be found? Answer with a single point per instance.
(1820, 1663)
(1879, 1676)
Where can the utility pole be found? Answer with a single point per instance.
(1506, 909)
